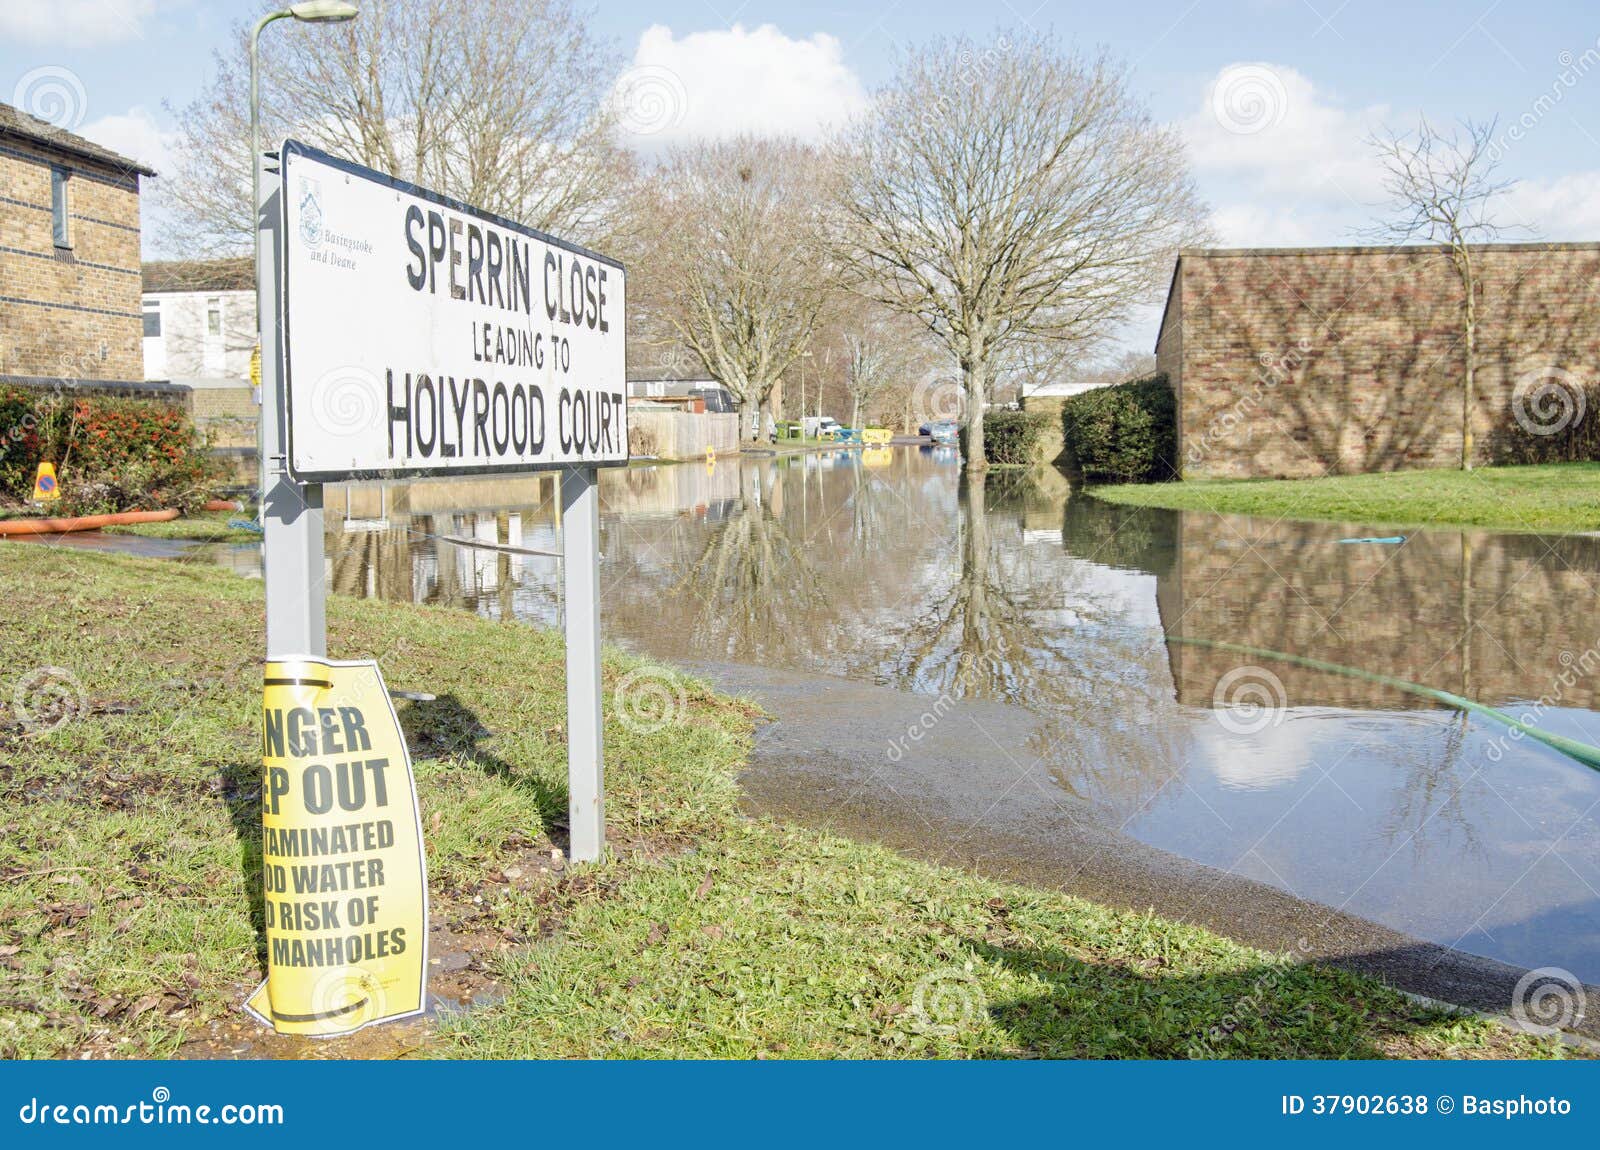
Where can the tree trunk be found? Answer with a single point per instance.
(855, 412)
(975, 376)
(1470, 387)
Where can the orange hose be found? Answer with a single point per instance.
(224, 505)
(83, 522)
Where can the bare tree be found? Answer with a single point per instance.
(502, 103)
(881, 349)
(1441, 188)
(732, 267)
(1011, 191)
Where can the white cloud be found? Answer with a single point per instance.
(134, 134)
(1282, 161)
(74, 22)
(720, 83)
(1564, 208)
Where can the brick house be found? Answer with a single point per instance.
(69, 259)
(1300, 362)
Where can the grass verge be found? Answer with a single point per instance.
(129, 838)
(1548, 497)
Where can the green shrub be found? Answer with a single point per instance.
(111, 453)
(1127, 433)
(1011, 438)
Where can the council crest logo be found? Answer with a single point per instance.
(311, 212)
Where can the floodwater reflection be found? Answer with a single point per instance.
(894, 570)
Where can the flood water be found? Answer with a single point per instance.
(1055, 611)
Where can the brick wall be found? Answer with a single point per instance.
(1335, 360)
(68, 313)
(1480, 614)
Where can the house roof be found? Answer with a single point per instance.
(18, 124)
(236, 273)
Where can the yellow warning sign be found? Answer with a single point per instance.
(45, 486)
(255, 367)
(346, 887)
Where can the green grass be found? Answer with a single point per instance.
(202, 526)
(1548, 497)
(129, 844)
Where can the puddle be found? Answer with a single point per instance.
(1045, 615)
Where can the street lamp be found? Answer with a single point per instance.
(308, 12)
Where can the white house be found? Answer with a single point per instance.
(200, 334)
(199, 321)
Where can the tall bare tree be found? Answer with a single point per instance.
(1442, 188)
(881, 349)
(732, 268)
(501, 103)
(1010, 191)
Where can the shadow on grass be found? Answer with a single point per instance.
(1105, 1010)
(447, 726)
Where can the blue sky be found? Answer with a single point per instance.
(1274, 97)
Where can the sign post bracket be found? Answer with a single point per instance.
(580, 549)
(291, 512)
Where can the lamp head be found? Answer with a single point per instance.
(324, 11)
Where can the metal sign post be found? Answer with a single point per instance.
(406, 334)
(291, 512)
(580, 564)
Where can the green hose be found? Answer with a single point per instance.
(1588, 755)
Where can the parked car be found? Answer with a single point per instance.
(940, 430)
(822, 427)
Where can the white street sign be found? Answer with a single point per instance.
(425, 337)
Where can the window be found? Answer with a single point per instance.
(214, 316)
(152, 318)
(61, 206)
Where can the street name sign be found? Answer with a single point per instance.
(426, 337)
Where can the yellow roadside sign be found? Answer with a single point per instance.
(45, 487)
(346, 887)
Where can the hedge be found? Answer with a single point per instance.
(1011, 438)
(1124, 433)
(1559, 423)
(111, 453)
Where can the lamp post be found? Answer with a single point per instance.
(291, 513)
(804, 355)
(307, 12)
